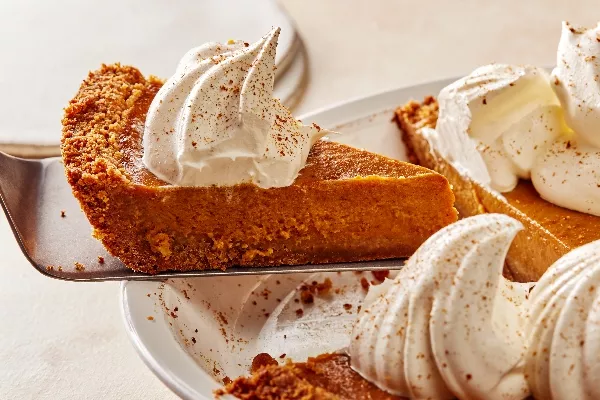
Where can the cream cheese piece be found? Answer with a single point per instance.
(563, 359)
(215, 121)
(449, 325)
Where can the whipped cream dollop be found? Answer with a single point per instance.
(563, 358)
(496, 121)
(449, 325)
(215, 121)
(502, 123)
(568, 173)
(576, 80)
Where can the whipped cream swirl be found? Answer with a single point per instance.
(449, 325)
(563, 359)
(215, 121)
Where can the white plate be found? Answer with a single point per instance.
(223, 322)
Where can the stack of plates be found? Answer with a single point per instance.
(48, 48)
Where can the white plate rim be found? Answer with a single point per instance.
(332, 115)
(162, 371)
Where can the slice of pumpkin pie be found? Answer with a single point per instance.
(208, 171)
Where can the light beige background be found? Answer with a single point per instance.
(65, 340)
(362, 47)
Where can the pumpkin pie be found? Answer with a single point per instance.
(345, 205)
(550, 230)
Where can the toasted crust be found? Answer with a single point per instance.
(550, 231)
(346, 205)
(328, 376)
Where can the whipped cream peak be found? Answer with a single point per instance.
(215, 121)
(494, 122)
(449, 325)
(576, 80)
(563, 358)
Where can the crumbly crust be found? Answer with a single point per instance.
(95, 118)
(550, 231)
(346, 205)
(328, 376)
(417, 115)
(276, 383)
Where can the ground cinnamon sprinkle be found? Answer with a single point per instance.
(325, 377)
(307, 292)
(364, 283)
(381, 275)
(306, 297)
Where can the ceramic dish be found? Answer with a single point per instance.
(193, 333)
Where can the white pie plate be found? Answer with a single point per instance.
(223, 322)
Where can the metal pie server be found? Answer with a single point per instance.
(55, 235)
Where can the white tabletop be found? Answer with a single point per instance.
(66, 340)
